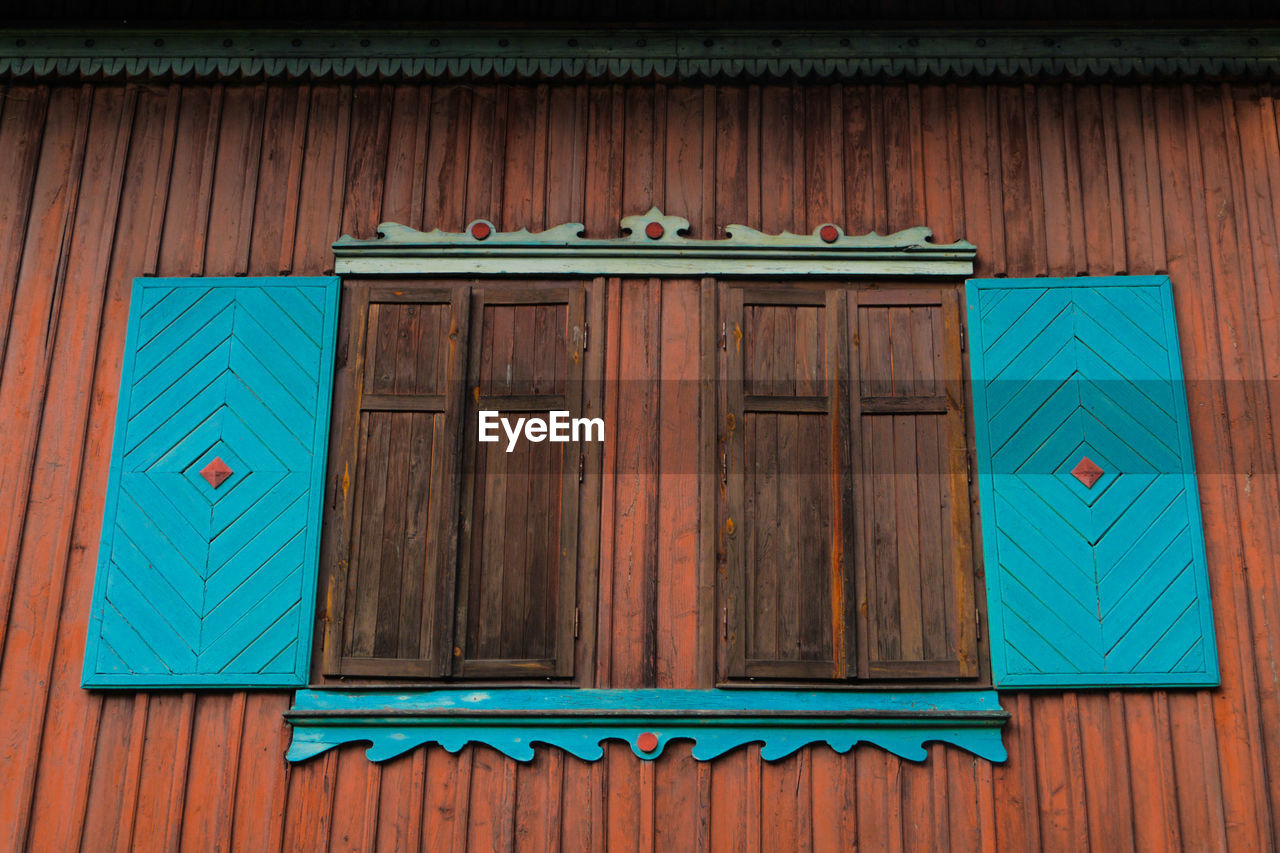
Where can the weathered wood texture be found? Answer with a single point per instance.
(102, 184)
(845, 563)
(783, 352)
(422, 361)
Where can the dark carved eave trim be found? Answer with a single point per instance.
(49, 54)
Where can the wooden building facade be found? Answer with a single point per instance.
(115, 176)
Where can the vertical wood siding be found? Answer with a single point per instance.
(103, 183)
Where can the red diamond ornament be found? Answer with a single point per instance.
(216, 472)
(1086, 472)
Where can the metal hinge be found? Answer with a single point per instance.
(723, 336)
(968, 467)
(724, 623)
(964, 338)
(977, 620)
(577, 621)
(586, 336)
(582, 466)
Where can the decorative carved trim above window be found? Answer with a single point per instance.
(652, 244)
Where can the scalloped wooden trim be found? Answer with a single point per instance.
(645, 54)
(653, 244)
(512, 720)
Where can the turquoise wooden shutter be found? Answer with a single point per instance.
(207, 566)
(1091, 528)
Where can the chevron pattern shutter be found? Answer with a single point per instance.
(1092, 536)
(207, 566)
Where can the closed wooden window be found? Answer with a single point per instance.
(846, 496)
(450, 557)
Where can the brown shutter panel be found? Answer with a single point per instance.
(914, 551)
(518, 567)
(395, 466)
(787, 495)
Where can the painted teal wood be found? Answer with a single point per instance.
(512, 720)
(205, 586)
(1101, 586)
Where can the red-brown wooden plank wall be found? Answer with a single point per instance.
(103, 183)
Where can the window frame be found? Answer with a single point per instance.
(899, 720)
(654, 246)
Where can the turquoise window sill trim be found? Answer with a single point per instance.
(513, 720)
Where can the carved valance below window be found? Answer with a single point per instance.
(513, 721)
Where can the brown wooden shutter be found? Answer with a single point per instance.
(787, 495)
(394, 471)
(914, 549)
(517, 573)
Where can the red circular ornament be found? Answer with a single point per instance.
(829, 233)
(647, 741)
(654, 230)
(481, 230)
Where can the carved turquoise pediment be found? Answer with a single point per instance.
(650, 244)
(515, 720)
